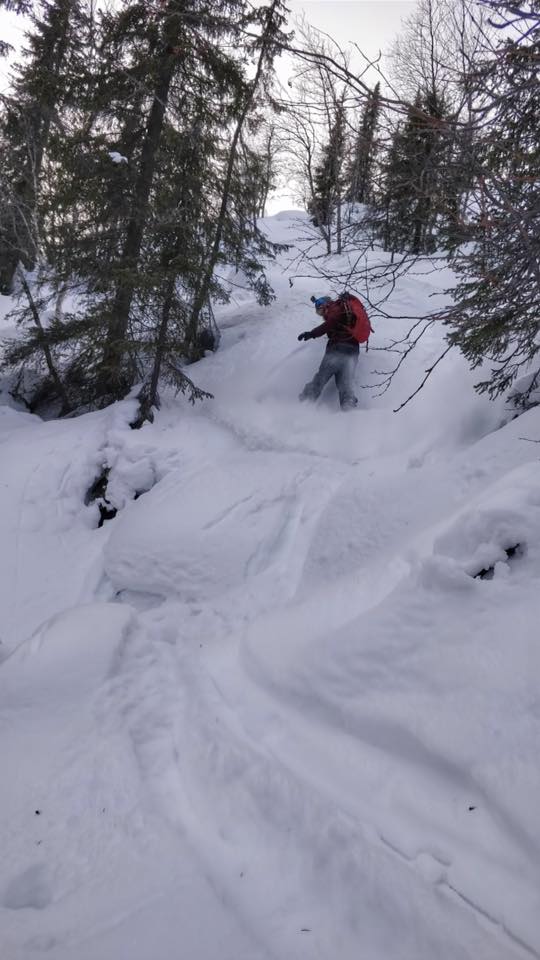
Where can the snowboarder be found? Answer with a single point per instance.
(346, 324)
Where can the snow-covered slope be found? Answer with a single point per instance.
(268, 711)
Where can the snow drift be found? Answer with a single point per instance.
(275, 708)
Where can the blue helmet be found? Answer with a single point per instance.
(321, 301)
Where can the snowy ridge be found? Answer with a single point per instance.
(270, 710)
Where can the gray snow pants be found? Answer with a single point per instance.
(339, 362)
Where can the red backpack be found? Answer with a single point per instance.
(356, 318)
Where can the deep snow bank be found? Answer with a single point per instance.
(268, 710)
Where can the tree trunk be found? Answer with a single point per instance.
(55, 377)
(338, 225)
(161, 340)
(113, 380)
(203, 292)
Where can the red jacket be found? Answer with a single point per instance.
(335, 325)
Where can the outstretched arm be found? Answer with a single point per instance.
(330, 319)
(323, 328)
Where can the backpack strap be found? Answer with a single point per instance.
(350, 318)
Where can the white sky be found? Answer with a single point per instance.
(372, 24)
(11, 30)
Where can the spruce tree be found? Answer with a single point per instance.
(150, 195)
(361, 166)
(38, 93)
(325, 202)
(415, 184)
(496, 319)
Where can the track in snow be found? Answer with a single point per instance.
(271, 734)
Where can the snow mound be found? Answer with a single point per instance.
(68, 656)
(198, 536)
(316, 735)
(505, 517)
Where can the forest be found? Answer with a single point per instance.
(141, 141)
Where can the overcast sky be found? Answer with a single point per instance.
(11, 32)
(372, 24)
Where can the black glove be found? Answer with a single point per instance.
(305, 336)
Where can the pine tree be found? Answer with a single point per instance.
(37, 96)
(415, 183)
(390, 217)
(325, 202)
(400, 176)
(148, 197)
(497, 301)
(361, 168)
